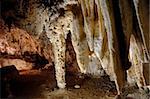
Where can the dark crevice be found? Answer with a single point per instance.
(123, 49)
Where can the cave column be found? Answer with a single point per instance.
(57, 38)
(59, 48)
(109, 22)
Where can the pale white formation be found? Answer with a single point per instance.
(56, 29)
(88, 37)
(77, 86)
(87, 7)
(57, 33)
(135, 73)
(94, 68)
(59, 47)
(79, 41)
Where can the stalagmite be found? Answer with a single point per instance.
(135, 73)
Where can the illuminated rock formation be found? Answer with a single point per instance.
(104, 34)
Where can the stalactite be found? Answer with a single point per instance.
(87, 7)
(100, 40)
(109, 22)
(79, 39)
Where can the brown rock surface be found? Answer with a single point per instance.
(18, 44)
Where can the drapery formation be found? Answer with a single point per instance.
(104, 28)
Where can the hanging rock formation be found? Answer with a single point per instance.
(105, 29)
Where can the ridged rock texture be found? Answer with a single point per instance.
(90, 34)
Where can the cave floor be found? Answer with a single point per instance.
(41, 84)
(33, 84)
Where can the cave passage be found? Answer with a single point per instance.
(70, 49)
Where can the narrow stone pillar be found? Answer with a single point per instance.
(57, 38)
(57, 34)
(59, 48)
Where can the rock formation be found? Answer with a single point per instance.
(92, 34)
